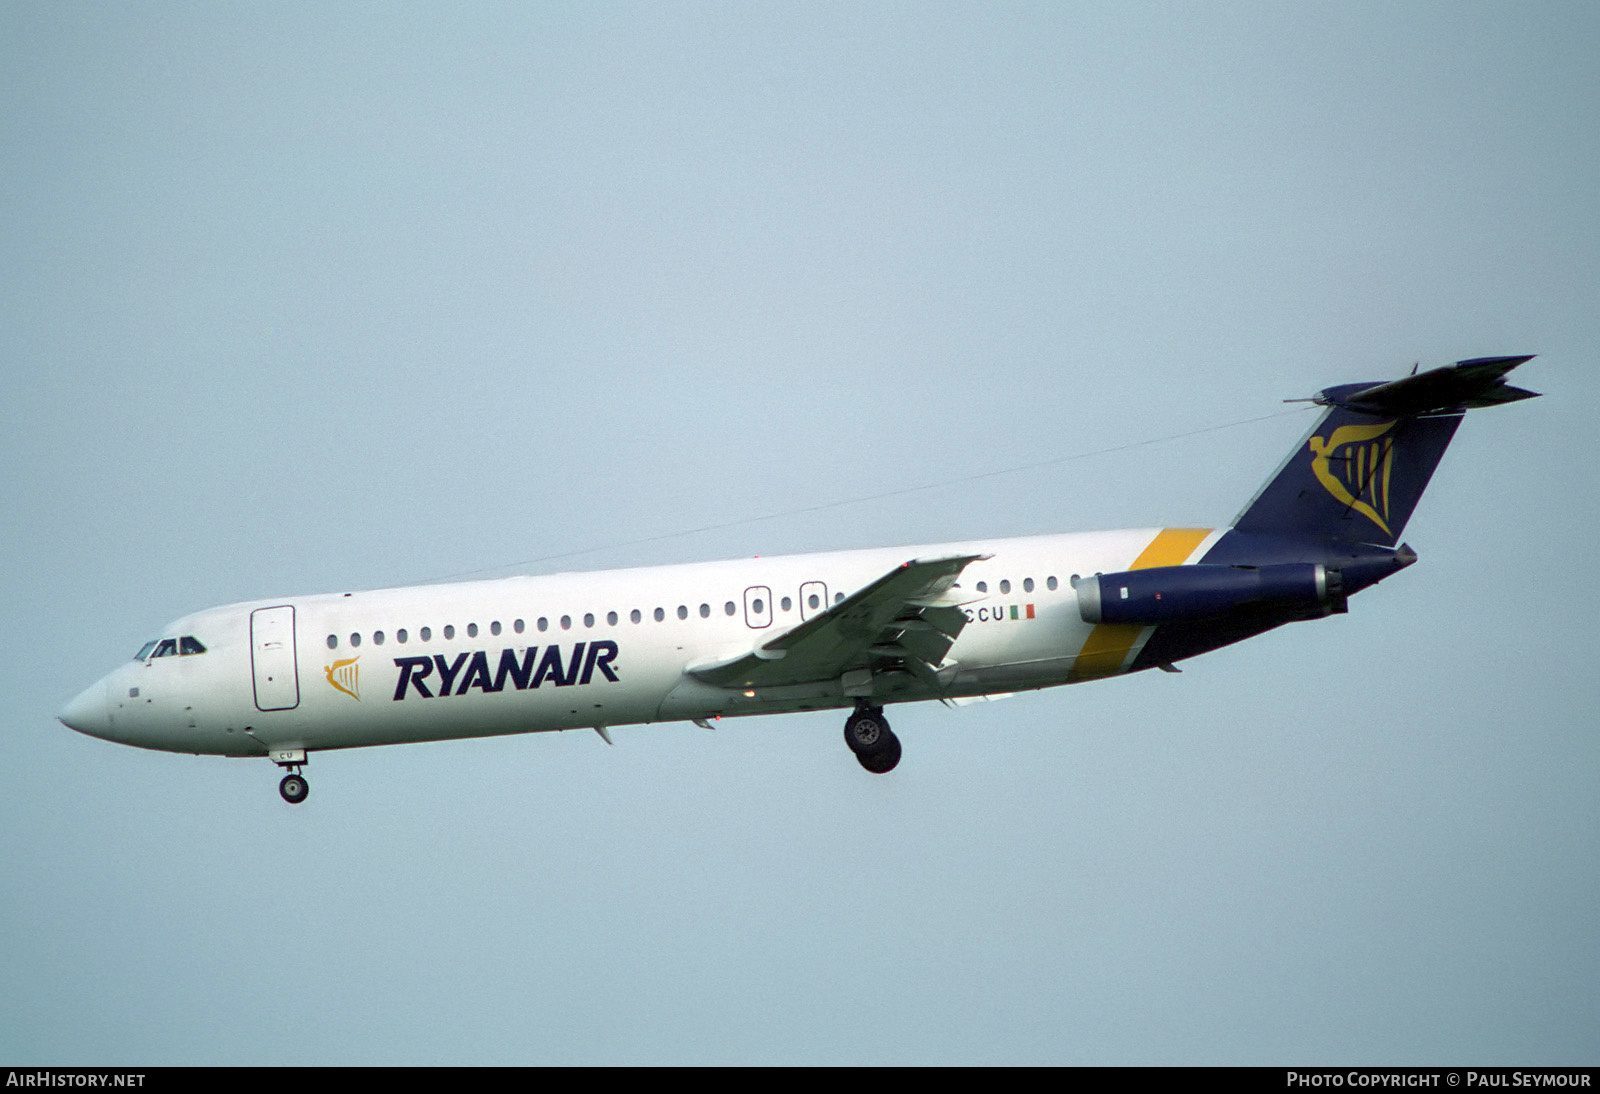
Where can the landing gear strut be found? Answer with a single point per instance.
(868, 734)
(294, 787)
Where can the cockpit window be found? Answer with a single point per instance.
(169, 647)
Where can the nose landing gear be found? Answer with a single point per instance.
(868, 734)
(294, 787)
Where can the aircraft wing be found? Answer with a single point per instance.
(905, 620)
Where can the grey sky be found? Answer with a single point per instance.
(301, 300)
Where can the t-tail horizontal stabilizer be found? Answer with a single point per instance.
(1358, 475)
(1465, 385)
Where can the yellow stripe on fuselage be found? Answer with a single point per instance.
(1171, 547)
(1105, 651)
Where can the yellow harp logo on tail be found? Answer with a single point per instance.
(1354, 465)
(345, 675)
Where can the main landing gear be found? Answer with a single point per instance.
(294, 787)
(868, 734)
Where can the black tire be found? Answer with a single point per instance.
(866, 732)
(884, 760)
(294, 789)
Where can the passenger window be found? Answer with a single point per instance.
(425, 634)
(1050, 583)
(472, 630)
(705, 611)
(1005, 586)
(660, 614)
(449, 631)
(728, 608)
(566, 622)
(683, 612)
(635, 616)
(588, 619)
(355, 640)
(333, 642)
(838, 598)
(517, 626)
(494, 628)
(983, 586)
(400, 636)
(1027, 584)
(611, 619)
(377, 638)
(813, 602)
(785, 603)
(543, 624)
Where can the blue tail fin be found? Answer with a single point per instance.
(1358, 475)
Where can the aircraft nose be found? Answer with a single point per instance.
(88, 712)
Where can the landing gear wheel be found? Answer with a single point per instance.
(867, 731)
(882, 761)
(294, 789)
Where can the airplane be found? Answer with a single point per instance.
(860, 630)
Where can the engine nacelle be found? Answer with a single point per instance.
(1175, 594)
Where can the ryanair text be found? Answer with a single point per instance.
(471, 670)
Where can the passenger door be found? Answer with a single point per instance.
(273, 659)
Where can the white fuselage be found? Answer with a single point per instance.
(598, 649)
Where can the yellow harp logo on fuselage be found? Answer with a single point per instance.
(345, 675)
(1357, 476)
